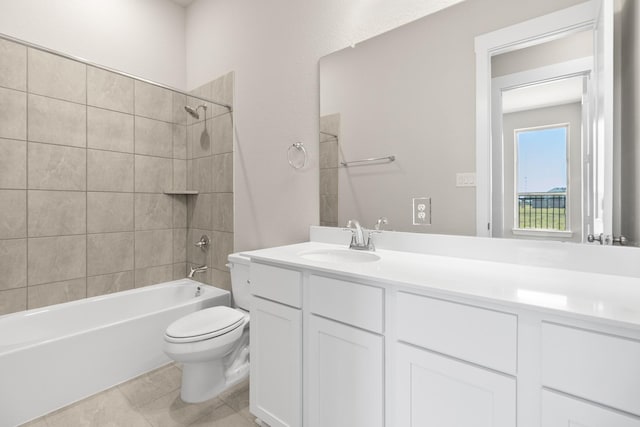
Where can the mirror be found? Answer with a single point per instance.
(400, 110)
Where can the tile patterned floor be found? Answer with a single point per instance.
(153, 400)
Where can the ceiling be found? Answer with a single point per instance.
(183, 3)
(558, 92)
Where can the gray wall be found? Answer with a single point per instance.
(85, 155)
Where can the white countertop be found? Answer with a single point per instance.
(606, 297)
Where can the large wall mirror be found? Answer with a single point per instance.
(399, 138)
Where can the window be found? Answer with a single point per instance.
(541, 178)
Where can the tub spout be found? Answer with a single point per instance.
(194, 270)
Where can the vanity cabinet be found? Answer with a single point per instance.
(434, 390)
(561, 411)
(345, 367)
(343, 349)
(276, 345)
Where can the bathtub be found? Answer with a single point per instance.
(53, 356)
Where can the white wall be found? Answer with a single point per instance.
(145, 38)
(274, 49)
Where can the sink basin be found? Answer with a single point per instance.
(339, 256)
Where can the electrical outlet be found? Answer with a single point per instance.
(467, 179)
(421, 211)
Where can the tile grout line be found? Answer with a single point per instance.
(26, 294)
(86, 181)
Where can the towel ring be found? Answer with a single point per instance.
(300, 147)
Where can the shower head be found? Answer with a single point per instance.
(193, 112)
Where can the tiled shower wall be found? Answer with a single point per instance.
(329, 154)
(85, 155)
(210, 143)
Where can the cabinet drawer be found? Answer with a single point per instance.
(348, 302)
(563, 411)
(478, 335)
(598, 367)
(276, 284)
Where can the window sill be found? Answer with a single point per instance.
(552, 234)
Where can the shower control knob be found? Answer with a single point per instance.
(203, 243)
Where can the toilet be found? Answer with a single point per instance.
(213, 344)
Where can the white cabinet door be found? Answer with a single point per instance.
(436, 391)
(562, 411)
(276, 363)
(346, 376)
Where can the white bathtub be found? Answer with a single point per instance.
(53, 356)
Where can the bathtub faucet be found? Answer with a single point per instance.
(195, 270)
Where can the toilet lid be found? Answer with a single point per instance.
(205, 324)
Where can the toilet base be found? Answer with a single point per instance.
(205, 380)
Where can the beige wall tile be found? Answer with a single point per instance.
(329, 181)
(13, 114)
(109, 212)
(179, 174)
(13, 65)
(223, 173)
(199, 139)
(180, 211)
(56, 293)
(109, 130)
(109, 283)
(109, 90)
(221, 91)
(222, 134)
(153, 101)
(57, 77)
(13, 214)
(56, 122)
(55, 259)
(202, 174)
(153, 211)
(53, 167)
(179, 113)
(153, 174)
(199, 211)
(57, 213)
(153, 275)
(220, 249)
(13, 264)
(13, 300)
(221, 279)
(153, 137)
(195, 255)
(329, 208)
(179, 271)
(13, 163)
(179, 142)
(222, 212)
(110, 253)
(329, 154)
(109, 171)
(153, 248)
(179, 245)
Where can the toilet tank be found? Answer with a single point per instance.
(239, 266)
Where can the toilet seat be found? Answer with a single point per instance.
(204, 324)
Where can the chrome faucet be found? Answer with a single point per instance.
(357, 237)
(194, 270)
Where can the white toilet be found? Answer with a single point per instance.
(213, 344)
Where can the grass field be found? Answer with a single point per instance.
(542, 218)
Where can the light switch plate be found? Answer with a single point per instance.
(466, 179)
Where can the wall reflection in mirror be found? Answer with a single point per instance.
(411, 93)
